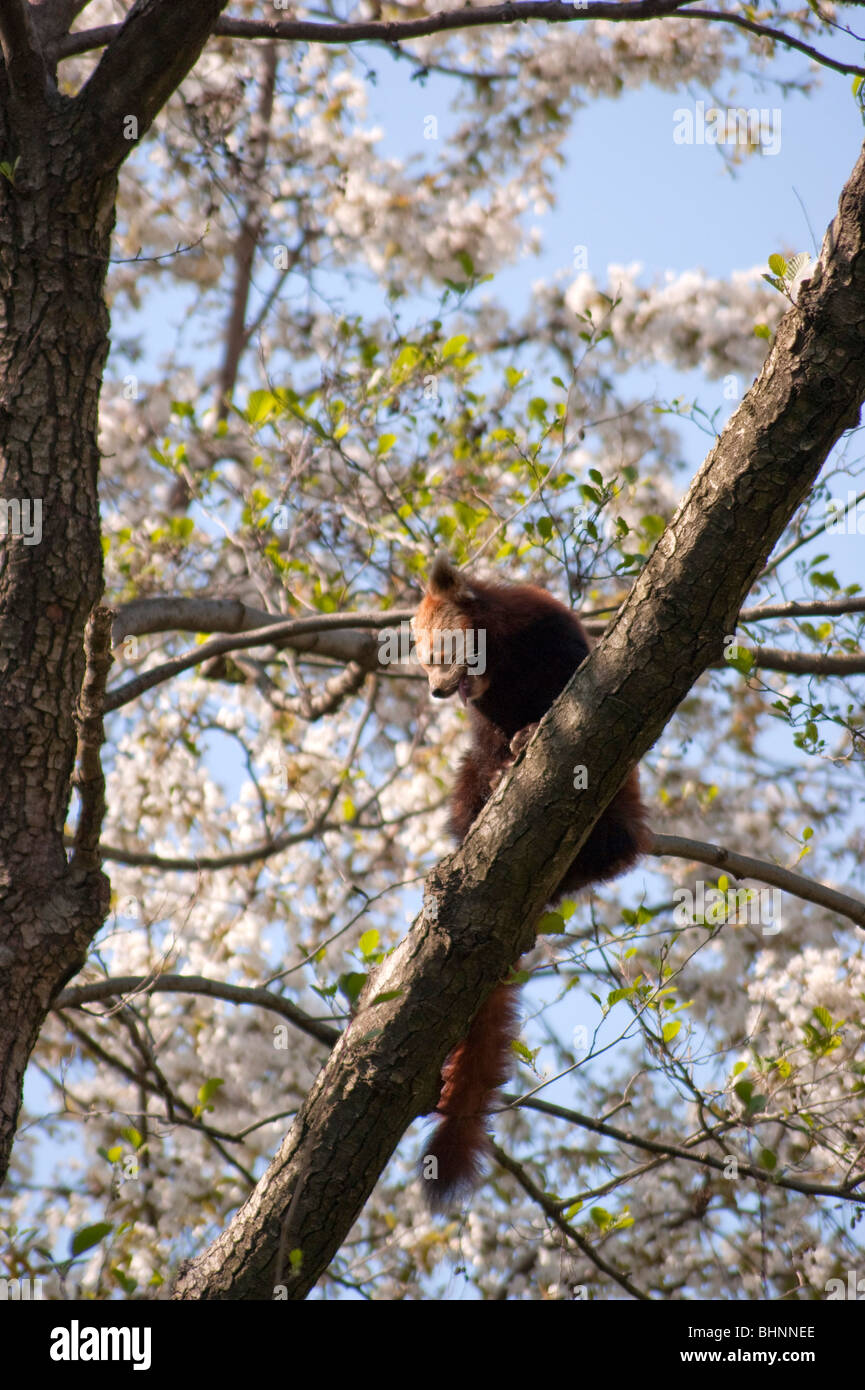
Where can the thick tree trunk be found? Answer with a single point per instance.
(55, 227)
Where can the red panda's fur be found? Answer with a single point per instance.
(533, 646)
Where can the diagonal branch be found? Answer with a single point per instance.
(744, 866)
(146, 60)
(844, 1191)
(482, 902)
(553, 1214)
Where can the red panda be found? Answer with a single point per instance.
(508, 650)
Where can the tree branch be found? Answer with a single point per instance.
(743, 866)
(147, 58)
(482, 902)
(78, 995)
(806, 663)
(176, 613)
(813, 608)
(22, 53)
(846, 1191)
(551, 1211)
(294, 629)
(331, 636)
(548, 11)
(248, 236)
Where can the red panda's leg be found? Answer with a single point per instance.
(522, 738)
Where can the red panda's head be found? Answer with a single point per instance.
(450, 648)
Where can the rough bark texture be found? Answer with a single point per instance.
(56, 215)
(54, 239)
(480, 902)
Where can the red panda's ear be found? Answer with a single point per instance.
(445, 581)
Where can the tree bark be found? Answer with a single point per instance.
(58, 186)
(481, 902)
(54, 241)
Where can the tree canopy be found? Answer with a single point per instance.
(236, 942)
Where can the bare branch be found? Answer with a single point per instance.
(765, 31)
(846, 1191)
(179, 614)
(551, 1211)
(812, 608)
(306, 628)
(551, 12)
(79, 995)
(744, 866)
(806, 663)
(248, 236)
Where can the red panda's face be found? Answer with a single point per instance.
(449, 650)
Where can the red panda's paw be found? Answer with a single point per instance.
(522, 738)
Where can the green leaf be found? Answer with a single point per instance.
(615, 995)
(351, 985)
(385, 995)
(653, 525)
(126, 1282)
(368, 942)
(670, 1030)
(385, 444)
(552, 924)
(209, 1090)
(88, 1236)
(742, 662)
(454, 346)
(825, 580)
(407, 358)
(259, 406)
(762, 330)
(778, 265)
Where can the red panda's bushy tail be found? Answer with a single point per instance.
(470, 1076)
